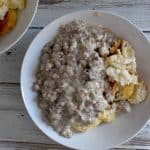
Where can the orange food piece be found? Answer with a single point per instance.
(9, 22)
(123, 92)
(127, 91)
(115, 88)
(116, 45)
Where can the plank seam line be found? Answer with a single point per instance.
(10, 83)
(27, 142)
(46, 2)
(41, 27)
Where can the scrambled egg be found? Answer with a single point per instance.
(105, 116)
(122, 76)
(139, 93)
(79, 127)
(123, 92)
(121, 67)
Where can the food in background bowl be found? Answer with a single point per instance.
(86, 76)
(9, 13)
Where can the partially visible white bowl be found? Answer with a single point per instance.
(25, 18)
(108, 135)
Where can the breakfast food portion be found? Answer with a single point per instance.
(86, 76)
(9, 13)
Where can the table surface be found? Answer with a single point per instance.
(17, 131)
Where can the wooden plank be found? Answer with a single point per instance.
(102, 2)
(136, 10)
(36, 146)
(51, 2)
(10, 62)
(16, 125)
(10, 97)
(30, 146)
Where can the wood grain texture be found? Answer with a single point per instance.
(11, 61)
(16, 125)
(17, 131)
(135, 10)
(30, 146)
(102, 2)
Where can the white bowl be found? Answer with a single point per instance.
(108, 135)
(25, 18)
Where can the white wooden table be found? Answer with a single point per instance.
(17, 131)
